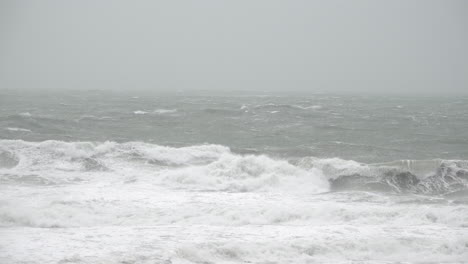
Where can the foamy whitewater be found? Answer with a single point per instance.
(94, 177)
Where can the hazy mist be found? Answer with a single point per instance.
(317, 46)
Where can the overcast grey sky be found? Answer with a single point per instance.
(318, 46)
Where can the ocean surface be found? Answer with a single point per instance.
(134, 177)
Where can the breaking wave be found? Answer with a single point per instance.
(431, 177)
(217, 168)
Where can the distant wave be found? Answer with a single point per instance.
(164, 111)
(92, 117)
(225, 111)
(18, 129)
(25, 114)
(157, 111)
(292, 106)
(314, 107)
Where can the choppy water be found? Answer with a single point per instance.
(99, 177)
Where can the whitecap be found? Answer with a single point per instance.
(164, 111)
(17, 129)
(25, 114)
(313, 107)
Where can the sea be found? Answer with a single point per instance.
(106, 176)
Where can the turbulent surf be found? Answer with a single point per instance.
(219, 179)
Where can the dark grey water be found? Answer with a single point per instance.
(361, 128)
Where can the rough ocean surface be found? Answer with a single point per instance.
(99, 177)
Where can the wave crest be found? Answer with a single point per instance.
(217, 168)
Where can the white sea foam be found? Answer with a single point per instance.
(205, 203)
(140, 112)
(143, 203)
(245, 244)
